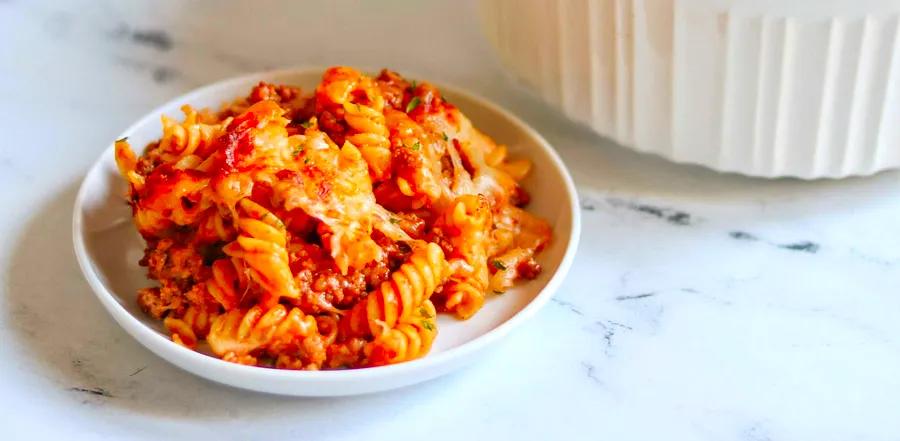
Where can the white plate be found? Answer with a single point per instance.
(108, 249)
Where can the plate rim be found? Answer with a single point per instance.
(139, 331)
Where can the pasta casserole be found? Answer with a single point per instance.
(326, 230)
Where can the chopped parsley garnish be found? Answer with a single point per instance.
(412, 86)
(499, 265)
(122, 139)
(413, 103)
(306, 124)
(306, 160)
(416, 146)
(394, 220)
(270, 219)
(444, 134)
(427, 325)
(298, 151)
(424, 313)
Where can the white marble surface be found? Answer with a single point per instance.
(700, 306)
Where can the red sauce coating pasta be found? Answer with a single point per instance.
(326, 230)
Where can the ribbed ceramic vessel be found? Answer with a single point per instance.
(802, 88)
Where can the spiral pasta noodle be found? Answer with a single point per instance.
(415, 162)
(467, 222)
(261, 247)
(190, 327)
(327, 230)
(341, 87)
(396, 299)
(228, 282)
(409, 340)
(465, 294)
(189, 138)
(238, 334)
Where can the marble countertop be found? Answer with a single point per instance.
(700, 306)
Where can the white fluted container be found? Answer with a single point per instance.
(803, 88)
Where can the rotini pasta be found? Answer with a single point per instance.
(192, 326)
(326, 230)
(238, 335)
(466, 224)
(228, 282)
(397, 298)
(345, 91)
(416, 165)
(190, 138)
(261, 248)
(410, 339)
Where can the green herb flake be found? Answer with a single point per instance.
(424, 312)
(499, 265)
(394, 220)
(306, 124)
(413, 103)
(416, 146)
(412, 86)
(122, 139)
(306, 160)
(428, 325)
(298, 151)
(444, 134)
(272, 219)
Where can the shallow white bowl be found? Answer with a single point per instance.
(108, 249)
